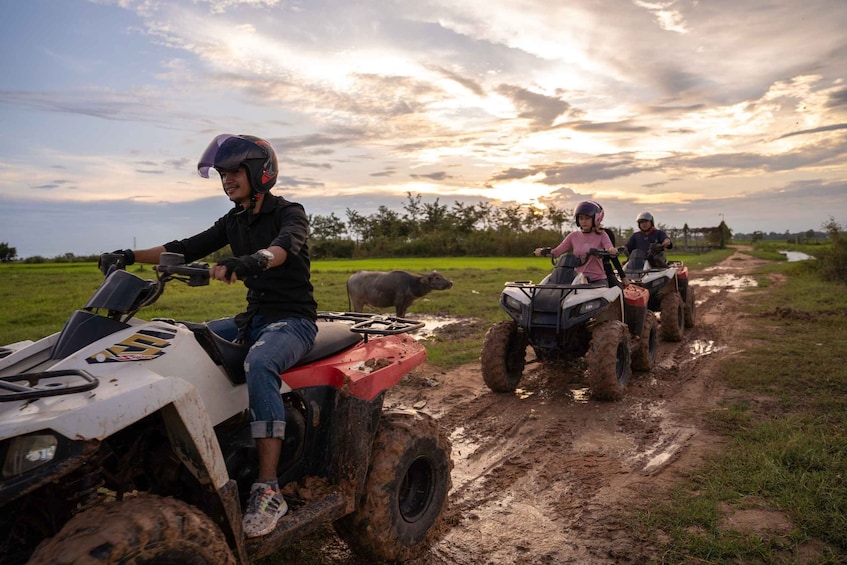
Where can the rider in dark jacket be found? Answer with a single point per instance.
(649, 239)
(268, 238)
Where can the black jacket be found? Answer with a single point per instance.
(279, 292)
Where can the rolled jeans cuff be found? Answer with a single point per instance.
(270, 428)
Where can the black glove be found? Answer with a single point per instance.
(244, 266)
(657, 248)
(120, 258)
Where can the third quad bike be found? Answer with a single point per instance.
(566, 317)
(127, 441)
(667, 282)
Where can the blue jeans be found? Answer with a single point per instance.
(274, 348)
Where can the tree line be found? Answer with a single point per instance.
(432, 229)
(481, 229)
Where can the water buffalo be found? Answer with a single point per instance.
(395, 288)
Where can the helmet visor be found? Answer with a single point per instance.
(227, 152)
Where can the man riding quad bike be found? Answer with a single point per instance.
(567, 317)
(668, 284)
(126, 441)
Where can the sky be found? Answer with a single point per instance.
(695, 110)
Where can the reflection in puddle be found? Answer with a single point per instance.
(465, 445)
(726, 281)
(796, 256)
(464, 470)
(702, 347)
(431, 323)
(580, 394)
(522, 394)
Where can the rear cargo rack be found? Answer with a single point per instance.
(47, 383)
(371, 324)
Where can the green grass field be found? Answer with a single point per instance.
(38, 298)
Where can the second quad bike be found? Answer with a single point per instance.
(668, 284)
(127, 441)
(567, 317)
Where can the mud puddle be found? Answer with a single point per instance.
(792, 256)
(702, 347)
(431, 324)
(725, 281)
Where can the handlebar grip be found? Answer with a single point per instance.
(198, 273)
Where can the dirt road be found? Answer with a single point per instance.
(541, 474)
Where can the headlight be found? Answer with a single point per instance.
(656, 283)
(512, 303)
(28, 452)
(590, 306)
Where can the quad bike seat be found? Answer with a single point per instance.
(331, 338)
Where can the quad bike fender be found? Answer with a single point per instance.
(365, 370)
(155, 350)
(25, 354)
(119, 402)
(661, 279)
(635, 306)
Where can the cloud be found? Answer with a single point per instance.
(823, 153)
(540, 109)
(98, 102)
(833, 127)
(837, 98)
(472, 85)
(625, 126)
(513, 174)
(439, 176)
(602, 168)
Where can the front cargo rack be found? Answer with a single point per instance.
(47, 383)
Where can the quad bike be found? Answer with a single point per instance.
(124, 440)
(667, 282)
(567, 317)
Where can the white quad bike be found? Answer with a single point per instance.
(127, 441)
(668, 284)
(566, 317)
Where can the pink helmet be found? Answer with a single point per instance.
(589, 208)
(598, 218)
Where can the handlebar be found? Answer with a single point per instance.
(602, 253)
(172, 267)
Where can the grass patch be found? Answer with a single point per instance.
(696, 261)
(786, 425)
(38, 298)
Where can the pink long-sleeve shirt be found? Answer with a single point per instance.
(579, 243)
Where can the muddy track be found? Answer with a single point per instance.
(540, 475)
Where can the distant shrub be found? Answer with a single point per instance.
(832, 262)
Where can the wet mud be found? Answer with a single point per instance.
(543, 474)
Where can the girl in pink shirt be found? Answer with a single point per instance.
(588, 217)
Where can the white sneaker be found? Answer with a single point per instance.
(264, 509)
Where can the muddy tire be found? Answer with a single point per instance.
(503, 356)
(400, 514)
(144, 529)
(673, 317)
(608, 360)
(644, 356)
(690, 308)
